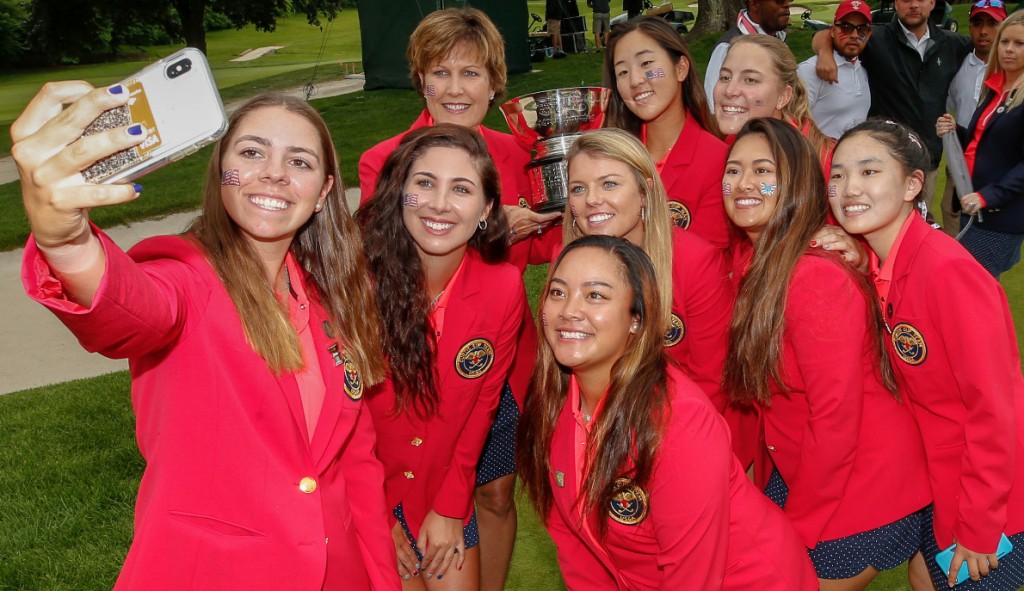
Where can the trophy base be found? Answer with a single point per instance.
(549, 206)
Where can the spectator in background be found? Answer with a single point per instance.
(965, 90)
(554, 12)
(765, 17)
(910, 64)
(632, 8)
(602, 16)
(838, 107)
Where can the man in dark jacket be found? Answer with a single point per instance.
(910, 64)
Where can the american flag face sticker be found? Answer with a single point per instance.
(833, 191)
(229, 178)
(429, 90)
(655, 73)
(726, 189)
(767, 190)
(411, 200)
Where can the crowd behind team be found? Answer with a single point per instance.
(758, 362)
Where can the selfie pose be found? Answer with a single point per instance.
(450, 314)
(251, 340)
(840, 452)
(655, 95)
(630, 467)
(960, 373)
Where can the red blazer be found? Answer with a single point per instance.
(849, 452)
(961, 375)
(702, 299)
(511, 160)
(224, 438)
(718, 533)
(692, 175)
(431, 463)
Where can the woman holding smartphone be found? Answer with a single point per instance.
(451, 311)
(619, 435)
(251, 340)
(656, 97)
(960, 373)
(615, 191)
(841, 453)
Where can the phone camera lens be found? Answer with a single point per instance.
(178, 68)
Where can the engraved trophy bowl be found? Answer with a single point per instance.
(547, 124)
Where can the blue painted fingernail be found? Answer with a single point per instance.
(439, 577)
(135, 129)
(116, 89)
(137, 187)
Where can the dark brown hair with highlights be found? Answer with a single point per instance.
(395, 263)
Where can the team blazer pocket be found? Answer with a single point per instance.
(215, 524)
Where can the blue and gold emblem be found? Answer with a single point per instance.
(676, 331)
(679, 214)
(629, 505)
(909, 344)
(353, 381)
(474, 359)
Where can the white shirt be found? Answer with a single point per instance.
(965, 89)
(837, 107)
(922, 44)
(718, 58)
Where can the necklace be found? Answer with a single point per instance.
(433, 302)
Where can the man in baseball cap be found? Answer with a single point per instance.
(837, 107)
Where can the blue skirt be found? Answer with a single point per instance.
(470, 532)
(883, 548)
(1008, 577)
(499, 454)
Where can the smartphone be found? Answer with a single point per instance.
(176, 99)
(945, 558)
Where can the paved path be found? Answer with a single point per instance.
(35, 349)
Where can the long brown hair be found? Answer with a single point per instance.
(798, 109)
(395, 264)
(616, 144)
(694, 100)
(753, 363)
(328, 247)
(625, 435)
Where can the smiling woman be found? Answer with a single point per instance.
(260, 315)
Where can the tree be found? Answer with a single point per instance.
(12, 30)
(716, 16)
(263, 14)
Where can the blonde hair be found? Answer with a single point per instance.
(621, 146)
(798, 108)
(328, 247)
(1016, 96)
(442, 31)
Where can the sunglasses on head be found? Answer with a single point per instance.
(989, 4)
(849, 28)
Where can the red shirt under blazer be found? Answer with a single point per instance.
(430, 464)
(849, 452)
(704, 525)
(692, 175)
(960, 372)
(224, 438)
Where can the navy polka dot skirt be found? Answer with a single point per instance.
(883, 548)
(1008, 577)
(499, 455)
(470, 532)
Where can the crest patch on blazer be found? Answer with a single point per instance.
(909, 344)
(676, 331)
(353, 381)
(629, 506)
(679, 214)
(474, 359)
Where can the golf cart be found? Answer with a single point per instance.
(942, 15)
(811, 24)
(676, 18)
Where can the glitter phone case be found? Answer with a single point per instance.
(176, 99)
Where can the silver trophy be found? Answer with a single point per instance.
(547, 123)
